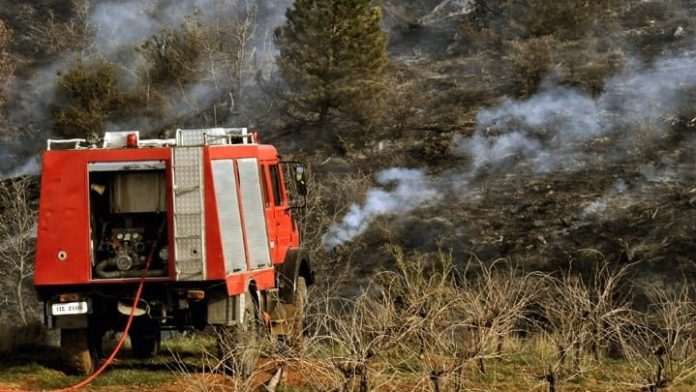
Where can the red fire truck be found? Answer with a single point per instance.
(205, 218)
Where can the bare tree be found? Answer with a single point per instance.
(324, 206)
(360, 332)
(17, 236)
(580, 316)
(52, 32)
(230, 52)
(243, 29)
(449, 319)
(85, 28)
(660, 344)
(492, 303)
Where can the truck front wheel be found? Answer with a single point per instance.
(79, 355)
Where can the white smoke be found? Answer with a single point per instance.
(30, 167)
(612, 196)
(620, 186)
(127, 24)
(550, 128)
(447, 9)
(118, 24)
(117, 28)
(400, 191)
(597, 207)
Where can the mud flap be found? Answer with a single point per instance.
(224, 310)
(287, 319)
(78, 321)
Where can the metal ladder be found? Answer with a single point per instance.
(189, 211)
(189, 233)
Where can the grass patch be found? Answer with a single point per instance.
(193, 344)
(42, 368)
(36, 376)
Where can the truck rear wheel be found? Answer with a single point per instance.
(78, 354)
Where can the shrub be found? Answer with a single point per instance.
(532, 61)
(87, 96)
(174, 55)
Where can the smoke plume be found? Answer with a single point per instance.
(547, 132)
(114, 30)
(550, 129)
(399, 190)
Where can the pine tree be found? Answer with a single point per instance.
(332, 54)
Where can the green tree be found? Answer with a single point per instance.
(332, 54)
(87, 96)
(174, 56)
(174, 60)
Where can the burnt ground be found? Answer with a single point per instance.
(637, 208)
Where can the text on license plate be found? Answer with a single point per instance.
(69, 308)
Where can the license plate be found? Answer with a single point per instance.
(69, 308)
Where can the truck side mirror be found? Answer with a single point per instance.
(300, 180)
(295, 176)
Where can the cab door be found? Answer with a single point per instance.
(269, 209)
(281, 227)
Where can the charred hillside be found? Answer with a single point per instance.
(501, 194)
(532, 130)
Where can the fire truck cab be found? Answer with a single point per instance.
(206, 218)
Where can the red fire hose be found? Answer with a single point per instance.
(116, 349)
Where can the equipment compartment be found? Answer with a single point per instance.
(128, 219)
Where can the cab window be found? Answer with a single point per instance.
(276, 184)
(264, 186)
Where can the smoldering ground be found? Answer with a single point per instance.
(400, 191)
(551, 128)
(550, 132)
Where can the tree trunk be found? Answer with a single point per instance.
(323, 116)
(551, 379)
(435, 379)
(364, 382)
(660, 373)
(20, 297)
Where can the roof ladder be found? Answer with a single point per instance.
(189, 233)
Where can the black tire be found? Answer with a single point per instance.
(79, 355)
(144, 343)
(238, 345)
